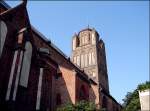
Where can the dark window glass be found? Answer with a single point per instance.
(83, 93)
(104, 102)
(58, 99)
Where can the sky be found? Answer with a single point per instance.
(123, 26)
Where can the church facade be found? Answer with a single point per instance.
(37, 76)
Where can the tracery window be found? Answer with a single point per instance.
(82, 60)
(86, 39)
(75, 60)
(86, 60)
(93, 39)
(39, 89)
(26, 65)
(93, 58)
(78, 60)
(90, 59)
(74, 44)
(11, 75)
(104, 102)
(93, 74)
(3, 33)
(58, 99)
(83, 93)
(83, 41)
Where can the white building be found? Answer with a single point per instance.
(145, 100)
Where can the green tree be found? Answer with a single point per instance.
(144, 86)
(85, 106)
(80, 106)
(66, 107)
(131, 101)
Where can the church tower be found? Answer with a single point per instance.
(88, 53)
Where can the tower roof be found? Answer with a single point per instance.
(88, 29)
(85, 29)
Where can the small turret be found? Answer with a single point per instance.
(75, 42)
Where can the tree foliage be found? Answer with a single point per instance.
(66, 107)
(131, 101)
(80, 106)
(85, 106)
(144, 86)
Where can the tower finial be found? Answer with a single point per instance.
(88, 26)
(75, 34)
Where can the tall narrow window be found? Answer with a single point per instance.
(93, 74)
(26, 65)
(104, 102)
(75, 60)
(83, 40)
(3, 33)
(39, 90)
(17, 76)
(93, 39)
(58, 99)
(86, 60)
(86, 39)
(82, 60)
(90, 61)
(93, 58)
(11, 75)
(74, 44)
(83, 93)
(78, 60)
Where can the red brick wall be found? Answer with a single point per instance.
(65, 86)
(94, 95)
(81, 86)
(111, 104)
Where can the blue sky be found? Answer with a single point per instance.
(123, 25)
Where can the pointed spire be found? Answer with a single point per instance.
(75, 33)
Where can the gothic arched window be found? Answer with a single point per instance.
(26, 65)
(3, 33)
(93, 38)
(58, 99)
(78, 60)
(82, 61)
(75, 60)
(86, 60)
(90, 58)
(74, 44)
(83, 93)
(93, 58)
(104, 102)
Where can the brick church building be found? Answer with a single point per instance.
(37, 76)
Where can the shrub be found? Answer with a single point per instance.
(80, 106)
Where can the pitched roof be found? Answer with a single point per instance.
(80, 73)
